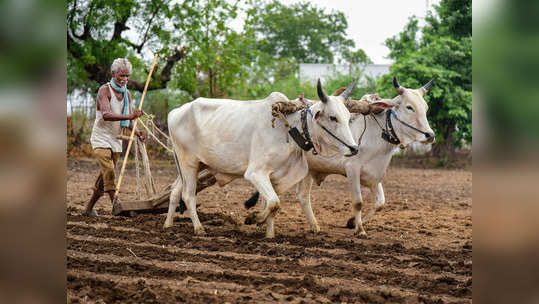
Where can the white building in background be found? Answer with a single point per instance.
(313, 71)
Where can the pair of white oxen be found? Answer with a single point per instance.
(236, 139)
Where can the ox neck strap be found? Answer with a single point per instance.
(388, 134)
(304, 142)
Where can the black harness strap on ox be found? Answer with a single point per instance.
(388, 134)
(304, 143)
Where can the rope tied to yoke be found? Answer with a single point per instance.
(363, 106)
(281, 108)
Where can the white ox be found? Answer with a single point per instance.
(368, 167)
(236, 139)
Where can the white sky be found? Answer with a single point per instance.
(370, 23)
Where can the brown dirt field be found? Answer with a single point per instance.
(419, 248)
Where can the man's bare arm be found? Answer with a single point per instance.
(103, 98)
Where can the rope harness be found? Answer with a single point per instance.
(303, 138)
(388, 133)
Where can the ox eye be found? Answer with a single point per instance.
(333, 118)
(410, 108)
(350, 121)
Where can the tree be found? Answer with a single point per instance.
(405, 42)
(445, 54)
(219, 56)
(354, 58)
(213, 60)
(98, 31)
(301, 31)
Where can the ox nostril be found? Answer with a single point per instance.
(429, 137)
(354, 150)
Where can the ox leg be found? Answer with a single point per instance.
(190, 175)
(262, 207)
(173, 203)
(270, 230)
(303, 192)
(379, 201)
(263, 184)
(357, 201)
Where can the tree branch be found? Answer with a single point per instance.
(177, 56)
(145, 37)
(119, 27)
(159, 82)
(86, 28)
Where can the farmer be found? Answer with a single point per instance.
(113, 115)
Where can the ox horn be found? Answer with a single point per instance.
(321, 94)
(427, 86)
(397, 86)
(349, 90)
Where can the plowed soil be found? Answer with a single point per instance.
(419, 248)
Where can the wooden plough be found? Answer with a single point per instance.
(158, 203)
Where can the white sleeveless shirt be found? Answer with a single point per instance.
(104, 132)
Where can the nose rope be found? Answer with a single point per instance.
(329, 132)
(408, 125)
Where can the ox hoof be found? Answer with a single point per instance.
(315, 229)
(270, 236)
(167, 225)
(351, 224)
(361, 234)
(251, 219)
(200, 232)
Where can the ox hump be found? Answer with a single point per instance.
(277, 96)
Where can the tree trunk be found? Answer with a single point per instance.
(445, 148)
(210, 76)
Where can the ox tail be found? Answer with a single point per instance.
(251, 202)
(182, 206)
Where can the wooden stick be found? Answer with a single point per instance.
(133, 133)
(137, 166)
(148, 179)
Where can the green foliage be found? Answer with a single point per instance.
(405, 42)
(356, 57)
(445, 54)
(161, 102)
(218, 56)
(292, 86)
(364, 84)
(301, 31)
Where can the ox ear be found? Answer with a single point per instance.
(384, 103)
(321, 94)
(381, 104)
(424, 89)
(339, 91)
